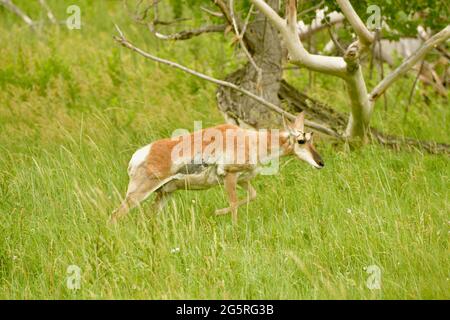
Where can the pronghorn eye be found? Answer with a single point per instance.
(301, 141)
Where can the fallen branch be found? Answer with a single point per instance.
(398, 143)
(316, 126)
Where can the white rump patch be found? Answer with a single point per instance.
(138, 158)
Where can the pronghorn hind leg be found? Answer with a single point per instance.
(251, 192)
(251, 195)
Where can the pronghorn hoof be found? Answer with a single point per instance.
(220, 212)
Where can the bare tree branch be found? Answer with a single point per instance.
(380, 61)
(211, 12)
(50, 14)
(188, 34)
(333, 38)
(316, 25)
(247, 20)
(297, 53)
(372, 55)
(291, 15)
(316, 126)
(168, 23)
(364, 35)
(8, 4)
(411, 93)
(243, 46)
(277, 21)
(313, 8)
(409, 62)
(141, 17)
(225, 11)
(182, 35)
(423, 34)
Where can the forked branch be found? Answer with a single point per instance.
(297, 53)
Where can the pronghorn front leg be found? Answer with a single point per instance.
(139, 188)
(130, 201)
(251, 195)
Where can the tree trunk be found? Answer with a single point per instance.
(264, 44)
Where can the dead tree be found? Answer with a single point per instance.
(252, 95)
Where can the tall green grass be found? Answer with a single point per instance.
(74, 107)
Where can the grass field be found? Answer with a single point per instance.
(73, 109)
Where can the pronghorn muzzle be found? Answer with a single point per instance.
(317, 158)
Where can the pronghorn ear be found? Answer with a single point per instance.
(300, 122)
(287, 124)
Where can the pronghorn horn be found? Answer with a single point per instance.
(300, 122)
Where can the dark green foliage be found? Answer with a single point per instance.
(404, 16)
(401, 16)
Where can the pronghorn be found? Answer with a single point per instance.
(228, 154)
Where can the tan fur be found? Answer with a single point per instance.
(159, 173)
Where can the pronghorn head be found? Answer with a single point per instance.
(301, 142)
